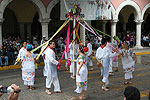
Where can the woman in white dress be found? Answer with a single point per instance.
(28, 67)
(82, 73)
(128, 62)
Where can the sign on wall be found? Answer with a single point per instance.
(91, 9)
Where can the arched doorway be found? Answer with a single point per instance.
(126, 24)
(10, 24)
(25, 12)
(36, 28)
(55, 22)
(131, 25)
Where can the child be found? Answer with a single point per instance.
(82, 73)
(128, 62)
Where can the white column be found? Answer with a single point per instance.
(138, 34)
(104, 25)
(22, 31)
(82, 34)
(44, 24)
(1, 41)
(113, 28)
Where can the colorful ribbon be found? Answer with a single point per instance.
(67, 45)
(52, 37)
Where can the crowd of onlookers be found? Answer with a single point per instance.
(10, 49)
(146, 40)
(12, 45)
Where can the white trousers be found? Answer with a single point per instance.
(55, 82)
(110, 65)
(105, 70)
(88, 61)
(71, 66)
(128, 75)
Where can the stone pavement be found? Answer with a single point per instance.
(141, 81)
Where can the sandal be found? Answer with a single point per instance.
(130, 82)
(31, 88)
(75, 98)
(125, 83)
(58, 91)
(82, 98)
(91, 69)
(72, 77)
(28, 87)
(48, 92)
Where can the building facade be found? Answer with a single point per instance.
(19, 16)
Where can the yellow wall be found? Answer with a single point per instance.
(24, 10)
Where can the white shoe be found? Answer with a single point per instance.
(104, 88)
(111, 74)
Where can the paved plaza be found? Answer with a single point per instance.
(141, 81)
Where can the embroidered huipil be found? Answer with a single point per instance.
(127, 60)
(28, 68)
(81, 81)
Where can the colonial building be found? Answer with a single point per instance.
(29, 18)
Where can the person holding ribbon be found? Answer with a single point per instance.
(128, 62)
(51, 69)
(99, 52)
(28, 67)
(105, 55)
(89, 55)
(82, 72)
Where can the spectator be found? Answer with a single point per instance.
(131, 93)
(128, 38)
(132, 40)
(35, 41)
(43, 39)
(12, 95)
(3, 57)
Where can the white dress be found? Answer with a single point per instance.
(28, 70)
(88, 55)
(128, 62)
(81, 81)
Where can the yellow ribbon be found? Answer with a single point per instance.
(77, 35)
(46, 43)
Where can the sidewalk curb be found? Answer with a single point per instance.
(63, 61)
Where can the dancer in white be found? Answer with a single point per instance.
(115, 59)
(82, 73)
(99, 52)
(105, 57)
(51, 69)
(28, 67)
(22, 50)
(71, 57)
(128, 62)
(111, 62)
(89, 55)
(43, 54)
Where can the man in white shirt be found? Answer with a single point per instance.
(51, 69)
(109, 44)
(89, 55)
(105, 56)
(22, 50)
(71, 57)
